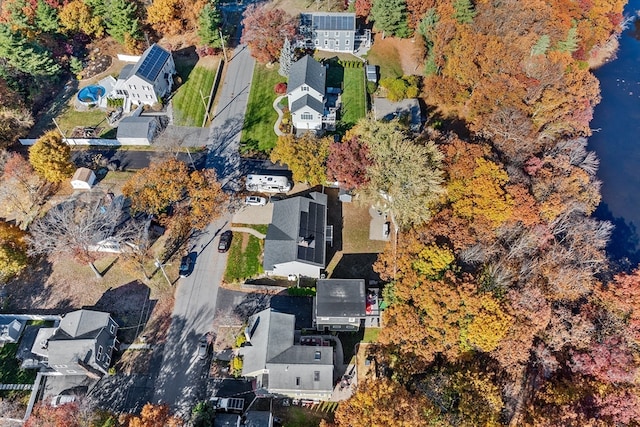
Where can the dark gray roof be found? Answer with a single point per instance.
(126, 72)
(307, 71)
(135, 127)
(270, 333)
(304, 355)
(333, 21)
(340, 298)
(307, 100)
(151, 62)
(81, 324)
(226, 420)
(297, 231)
(256, 419)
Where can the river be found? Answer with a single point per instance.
(616, 140)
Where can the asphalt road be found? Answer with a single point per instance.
(182, 378)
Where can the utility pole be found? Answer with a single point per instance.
(224, 51)
(206, 111)
(64, 137)
(160, 265)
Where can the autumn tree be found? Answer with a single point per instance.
(50, 156)
(154, 416)
(13, 250)
(390, 16)
(405, 176)
(14, 123)
(209, 24)
(165, 16)
(383, 402)
(348, 162)
(78, 16)
(206, 198)
(46, 416)
(264, 30)
(305, 156)
(362, 9)
(75, 229)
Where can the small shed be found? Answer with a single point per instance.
(10, 332)
(83, 179)
(137, 130)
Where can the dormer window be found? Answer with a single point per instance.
(304, 88)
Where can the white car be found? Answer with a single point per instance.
(255, 201)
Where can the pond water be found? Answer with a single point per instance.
(616, 140)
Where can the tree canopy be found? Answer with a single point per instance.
(264, 30)
(50, 156)
(305, 156)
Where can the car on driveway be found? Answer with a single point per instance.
(255, 201)
(225, 241)
(186, 265)
(203, 347)
(62, 399)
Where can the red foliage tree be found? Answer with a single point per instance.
(363, 8)
(622, 406)
(610, 361)
(264, 31)
(48, 416)
(348, 162)
(280, 88)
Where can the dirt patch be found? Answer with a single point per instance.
(245, 241)
(385, 52)
(134, 362)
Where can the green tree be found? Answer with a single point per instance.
(122, 20)
(50, 156)
(570, 44)
(13, 250)
(405, 176)
(464, 11)
(209, 23)
(47, 17)
(26, 57)
(541, 46)
(391, 16)
(306, 156)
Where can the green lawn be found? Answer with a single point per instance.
(94, 117)
(354, 102)
(190, 99)
(245, 255)
(257, 131)
(387, 58)
(10, 372)
(371, 334)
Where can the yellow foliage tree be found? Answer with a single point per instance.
(77, 16)
(206, 198)
(306, 156)
(433, 261)
(13, 250)
(49, 157)
(489, 326)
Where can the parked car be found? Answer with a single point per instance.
(225, 241)
(61, 399)
(203, 347)
(255, 201)
(186, 265)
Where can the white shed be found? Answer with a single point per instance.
(83, 179)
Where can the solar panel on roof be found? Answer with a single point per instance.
(153, 63)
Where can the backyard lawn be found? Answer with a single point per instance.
(190, 99)
(94, 117)
(245, 255)
(10, 372)
(354, 103)
(257, 131)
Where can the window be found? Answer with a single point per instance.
(297, 381)
(352, 319)
(326, 34)
(99, 352)
(304, 88)
(346, 42)
(337, 33)
(317, 355)
(326, 42)
(316, 375)
(108, 360)
(112, 329)
(71, 371)
(317, 42)
(306, 116)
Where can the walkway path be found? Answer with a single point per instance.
(249, 230)
(276, 127)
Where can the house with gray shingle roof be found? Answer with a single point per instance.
(306, 93)
(296, 238)
(146, 81)
(281, 366)
(339, 304)
(82, 344)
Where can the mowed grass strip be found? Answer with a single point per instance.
(354, 103)
(257, 131)
(189, 108)
(385, 55)
(245, 259)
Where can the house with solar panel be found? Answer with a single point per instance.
(307, 98)
(332, 32)
(297, 237)
(147, 81)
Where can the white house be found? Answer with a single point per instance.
(146, 81)
(332, 32)
(296, 240)
(83, 179)
(307, 81)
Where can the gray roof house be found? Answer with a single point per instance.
(82, 344)
(139, 130)
(339, 304)
(306, 93)
(334, 32)
(296, 238)
(146, 81)
(281, 366)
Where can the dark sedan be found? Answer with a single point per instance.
(225, 241)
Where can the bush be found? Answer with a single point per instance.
(115, 103)
(280, 88)
(240, 339)
(371, 87)
(400, 88)
(236, 366)
(301, 292)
